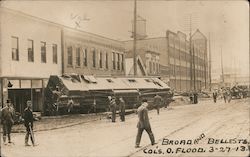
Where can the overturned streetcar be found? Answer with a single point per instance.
(88, 94)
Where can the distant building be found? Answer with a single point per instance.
(178, 51)
(30, 51)
(129, 67)
(231, 80)
(170, 59)
(151, 52)
(91, 54)
(199, 74)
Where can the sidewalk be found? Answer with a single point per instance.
(62, 121)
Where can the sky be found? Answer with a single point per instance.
(226, 22)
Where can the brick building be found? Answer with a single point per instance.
(91, 54)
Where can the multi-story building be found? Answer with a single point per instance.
(179, 60)
(200, 77)
(91, 54)
(175, 63)
(32, 49)
(151, 51)
(29, 54)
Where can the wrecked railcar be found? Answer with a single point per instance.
(87, 94)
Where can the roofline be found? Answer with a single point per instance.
(54, 23)
(144, 39)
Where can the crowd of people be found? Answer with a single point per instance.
(8, 112)
(225, 94)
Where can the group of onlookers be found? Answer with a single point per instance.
(7, 120)
(225, 94)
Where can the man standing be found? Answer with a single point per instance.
(122, 109)
(157, 102)
(113, 108)
(7, 121)
(28, 123)
(143, 123)
(215, 96)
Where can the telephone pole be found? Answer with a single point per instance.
(134, 35)
(191, 55)
(222, 71)
(210, 64)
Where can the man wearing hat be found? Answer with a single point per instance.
(143, 124)
(28, 123)
(7, 121)
(113, 108)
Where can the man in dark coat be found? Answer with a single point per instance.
(215, 96)
(28, 123)
(113, 108)
(157, 103)
(143, 124)
(7, 121)
(122, 109)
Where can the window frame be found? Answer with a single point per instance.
(43, 52)
(54, 54)
(32, 50)
(15, 54)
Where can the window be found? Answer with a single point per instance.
(78, 60)
(118, 61)
(113, 59)
(94, 57)
(15, 49)
(100, 60)
(122, 56)
(85, 57)
(110, 81)
(54, 49)
(107, 61)
(131, 80)
(70, 57)
(43, 52)
(150, 67)
(30, 51)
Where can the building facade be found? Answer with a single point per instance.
(32, 49)
(179, 60)
(30, 53)
(184, 69)
(200, 76)
(149, 51)
(90, 54)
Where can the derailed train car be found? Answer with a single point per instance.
(86, 94)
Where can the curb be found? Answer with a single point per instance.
(96, 118)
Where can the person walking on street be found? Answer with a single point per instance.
(229, 96)
(113, 108)
(157, 102)
(122, 109)
(28, 123)
(7, 121)
(215, 96)
(224, 93)
(143, 124)
(70, 105)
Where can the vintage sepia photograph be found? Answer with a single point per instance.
(124, 78)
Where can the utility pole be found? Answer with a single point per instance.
(210, 64)
(194, 68)
(191, 55)
(134, 46)
(222, 71)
